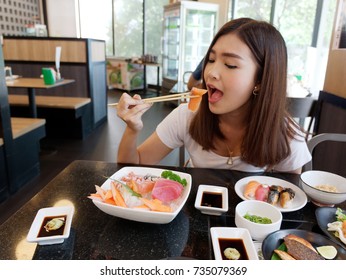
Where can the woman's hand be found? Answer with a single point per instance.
(130, 110)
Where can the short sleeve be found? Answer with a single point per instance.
(173, 128)
(299, 156)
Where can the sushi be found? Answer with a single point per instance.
(262, 192)
(286, 198)
(274, 193)
(250, 189)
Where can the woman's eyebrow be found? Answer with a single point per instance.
(228, 54)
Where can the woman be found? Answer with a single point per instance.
(242, 122)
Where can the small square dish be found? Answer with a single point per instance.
(232, 243)
(51, 225)
(212, 200)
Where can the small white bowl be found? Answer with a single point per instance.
(232, 235)
(212, 200)
(259, 208)
(55, 236)
(311, 179)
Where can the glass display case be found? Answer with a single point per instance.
(188, 29)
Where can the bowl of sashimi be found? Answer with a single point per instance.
(143, 194)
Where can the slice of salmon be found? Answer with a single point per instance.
(194, 102)
(156, 205)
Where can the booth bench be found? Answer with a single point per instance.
(65, 116)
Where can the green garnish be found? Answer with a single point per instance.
(131, 191)
(340, 216)
(174, 177)
(257, 219)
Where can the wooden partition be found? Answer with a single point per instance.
(83, 60)
(19, 145)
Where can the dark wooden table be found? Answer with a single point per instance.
(96, 235)
(34, 83)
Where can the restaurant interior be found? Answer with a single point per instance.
(63, 65)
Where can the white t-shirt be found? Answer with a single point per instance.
(174, 132)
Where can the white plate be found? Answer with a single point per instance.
(143, 215)
(298, 202)
(236, 233)
(37, 225)
(215, 190)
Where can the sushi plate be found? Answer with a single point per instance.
(298, 202)
(324, 216)
(143, 215)
(275, 240)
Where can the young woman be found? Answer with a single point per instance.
(242, 122)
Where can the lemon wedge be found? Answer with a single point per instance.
(328, 252)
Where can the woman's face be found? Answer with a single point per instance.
(230, 74)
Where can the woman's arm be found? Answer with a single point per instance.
(152, 150)
(130, 110)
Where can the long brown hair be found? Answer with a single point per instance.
(269, 129)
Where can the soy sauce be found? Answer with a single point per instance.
(59, 231)
(235, 243)
(212, 199)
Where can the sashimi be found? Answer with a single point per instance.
(166, 190)
(194, 102)
(142, 187)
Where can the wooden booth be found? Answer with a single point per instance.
(19, 144)
(82, 60)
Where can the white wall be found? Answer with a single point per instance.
(63, 18)
(223, 10)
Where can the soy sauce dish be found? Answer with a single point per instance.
(51, 225)
(231, 243)
(212, 200)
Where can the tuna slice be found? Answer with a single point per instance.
(166, 190)
(262, 193)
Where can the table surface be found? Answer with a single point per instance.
(35, 83)
(96, 235)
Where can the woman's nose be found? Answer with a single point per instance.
(212, 71)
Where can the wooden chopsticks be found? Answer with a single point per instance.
(169, 97)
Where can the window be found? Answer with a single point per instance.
(306, 27)
(96, 21)
(120, 24)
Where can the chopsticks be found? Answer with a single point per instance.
(169, 97)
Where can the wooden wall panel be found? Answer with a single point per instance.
(44, 50)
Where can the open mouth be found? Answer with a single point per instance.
(214, 94)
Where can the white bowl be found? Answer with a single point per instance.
(55, 236)
(144, 215)
(259, 208)
(212, 200)
(232, 234)
(311, 179)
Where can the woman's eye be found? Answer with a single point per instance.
(211, 60)
(230, 66)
